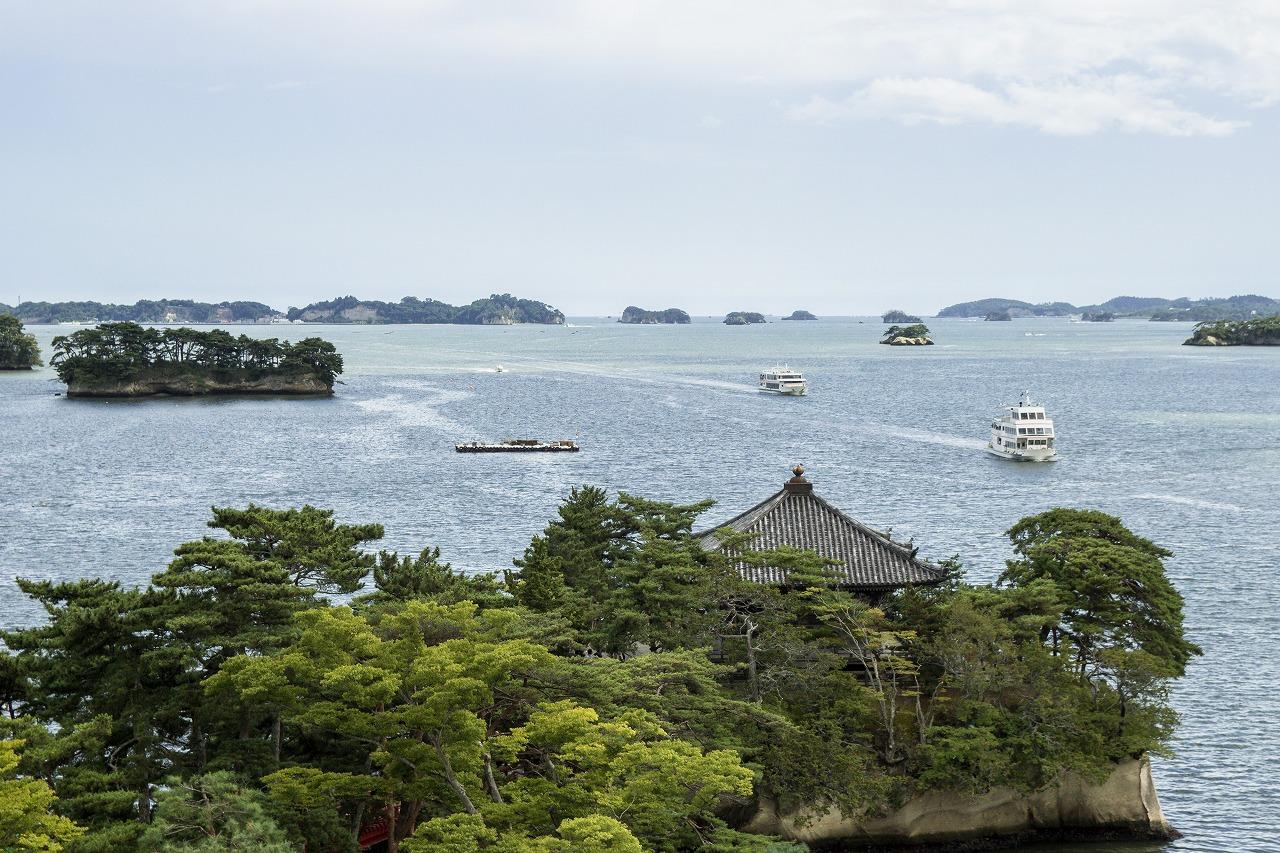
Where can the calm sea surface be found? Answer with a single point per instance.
(1182, 443)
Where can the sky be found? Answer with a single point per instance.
(841, 157)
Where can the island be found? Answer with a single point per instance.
(18, 349)
(144, 311)
(1097, 317)
(129, 360)
(500, 309)
(1142, 307)
(916, 335)
(639, 316)
(998, 317)
(642, 679)
(800, 315)
(896, 316)
(1257, 332)
(743, 318)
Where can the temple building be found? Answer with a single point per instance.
(870, 562)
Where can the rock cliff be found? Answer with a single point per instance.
(1124, 805)
(199, 384)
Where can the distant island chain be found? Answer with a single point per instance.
(503, 309)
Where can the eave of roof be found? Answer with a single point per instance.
(800, 519)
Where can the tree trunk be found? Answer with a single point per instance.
(452, 778)
(753, 678)
(275, 739)
(490, 782)
(393, 843)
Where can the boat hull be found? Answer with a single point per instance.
(786, 392)
(517, 448)
(1049, 455)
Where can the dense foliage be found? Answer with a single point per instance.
(18, 349)
(639, 316)
(1260, 331)
(743, 318)
(898, 316)
(497, 309)
(615, 691)
(916, 331)
(123, 351)
(143, 311)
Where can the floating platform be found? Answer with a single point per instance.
(519, 445)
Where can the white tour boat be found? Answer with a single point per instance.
(1023, 433)
(783, 380)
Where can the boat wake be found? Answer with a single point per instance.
(1195, 502)
(939, 438)
(418, 412)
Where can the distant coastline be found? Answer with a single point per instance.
(497, 310)
(1132, 307)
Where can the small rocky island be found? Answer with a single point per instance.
(998, 317)
(896, 316)
(1258, 332)
(1097, 317)
(129, 360)
(743, 318)
(639, 316)
(800, 315)
(916, 335)
(18, 349)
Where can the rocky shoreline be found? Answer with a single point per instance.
(200, 385)
(1124, 806)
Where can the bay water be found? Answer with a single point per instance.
(1182, 443)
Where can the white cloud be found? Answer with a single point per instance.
(1067, 108)
(1183, 67)
(710, 122)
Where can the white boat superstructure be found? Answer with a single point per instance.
(1023, 433)
(783, 380)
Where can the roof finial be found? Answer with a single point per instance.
(798, 485)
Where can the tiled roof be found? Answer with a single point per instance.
(798, 518)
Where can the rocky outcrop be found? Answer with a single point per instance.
(1124, 805)
(1097, 317)
(909, 342)
(743, 318)
(800, 315)
(198, 385)
(639, 316)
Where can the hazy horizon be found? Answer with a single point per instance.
(844, 158)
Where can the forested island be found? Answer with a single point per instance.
(622, 689)
(1258, 332)
(500, 309)
(129, 360)
(18, 349)
(896, 316)
(639, 316)
(998, 317)
(143, 311)
(800, 314)
(743, 318)
(915, 335)
(1097, 317)
(1141, 307)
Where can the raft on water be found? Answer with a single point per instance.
(519, 445)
